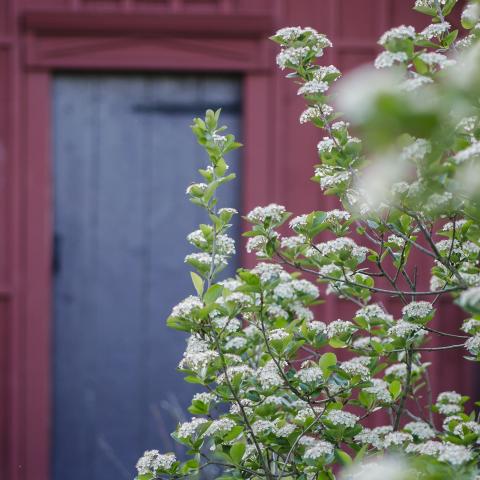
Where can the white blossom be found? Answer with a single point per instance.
(268, 376)
(326, 145)
(268, 271)
(380, 390)
(285, 431)
(278, 334)
(454, 454)
(396, 439)
(471, 325)
(337, 216)
(403, 329)
(311, 374)
(438, 59)
(356, 367)
(316, 112)
(470, 153)
(197, 354)
(317, 326)
(293, 241)
(235, 343)
(414, 82)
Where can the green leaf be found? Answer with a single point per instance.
(236, 452)
(326, 361)
(343, 457)
(395, 388)
(197, 283)
(212, 294)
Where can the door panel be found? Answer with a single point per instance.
(123, 156)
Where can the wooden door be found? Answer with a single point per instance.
(123, 156)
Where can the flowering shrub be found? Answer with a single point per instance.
(276, 402)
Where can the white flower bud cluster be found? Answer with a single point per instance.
(374, 312)
(197, 355)
(403, 329)
(343, 244)
(315, 112)
(312, 374)
(449, 403)
(435, 30)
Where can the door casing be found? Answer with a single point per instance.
(107, 42)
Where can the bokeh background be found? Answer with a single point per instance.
(95, 154)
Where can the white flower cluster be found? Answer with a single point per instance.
(319, 449)
(342, 418)
(374, 312)
(310, 374)
(417, 310)
(233, 371)
(403, 329)
(435, 30)
(317, 326)
(396, 439)
(224, 244)
(374, 437)
(343, 244)
(473, 344)
(416, 151)
(428, 3)
(272, 212)
(205, 397)
(388, 59)
(326, 145)
(269, 271)
(268, 376)
(415, 81)
(444, 452)
(205, 259)
(315, 112)
(356, 366)
(449, 403)
(186, 307)
(187, 429)
(278, 334)
(313, 87)
(420, 430)
(197, 355)
(340, 327)
(398, 33)
(196, 187)
(465, 428)
(380, 390)
(471, 325)
(436, 59)
(235, 343)
(470, 153)
(293, 241)
(153, 460)
(229, 325)
(292, 56)
(220, 426)
(337, 216)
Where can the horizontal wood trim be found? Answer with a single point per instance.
(142, 24)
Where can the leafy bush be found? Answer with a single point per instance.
(276, 401)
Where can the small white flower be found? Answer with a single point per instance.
(236, 343)
(414, 82)
(396, 439)
(285, 431)
(316, 112)
(205, 397)
(380, 390)
(470, 153)
(310, 374)
(455, 454)
(436, 59)
(403, 329)
(356, 367)
(268, 376)
(278, 334)
(471, 325)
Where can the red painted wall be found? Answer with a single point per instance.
(39, 36)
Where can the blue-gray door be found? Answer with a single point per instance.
(123, 156)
